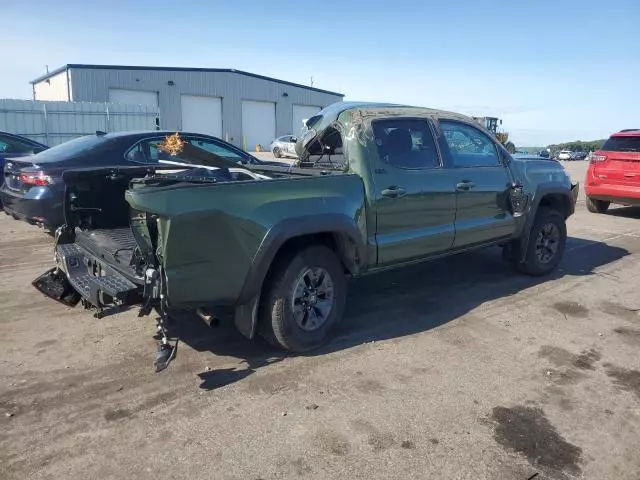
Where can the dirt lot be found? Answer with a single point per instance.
(457, 369)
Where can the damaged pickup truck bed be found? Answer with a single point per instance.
(399, 185)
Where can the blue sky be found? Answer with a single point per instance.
(553, 70)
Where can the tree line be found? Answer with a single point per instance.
(578, 146)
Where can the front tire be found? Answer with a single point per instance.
(597, 206)
(303, 300)
(277, 153)
(546, 245)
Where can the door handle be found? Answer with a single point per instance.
(394, 192)
(465, 186)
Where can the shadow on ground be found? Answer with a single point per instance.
(627, 212)
(399, 303)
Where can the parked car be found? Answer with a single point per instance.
(578, 155)
(284, 147)
(614, 173)
(529, 156)
(417, 184)
(564, 155)
(33, 187)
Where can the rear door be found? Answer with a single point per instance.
(481, 181)
(622, 165)
(415, 196)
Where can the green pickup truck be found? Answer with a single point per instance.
(377, 186)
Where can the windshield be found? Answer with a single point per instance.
(71, 148)
(622, 144)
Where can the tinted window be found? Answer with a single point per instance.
(406, 143)
(147, 151)
(139, 153)
(622, 144)
(214, 147)
(72, 148)
(469, 147)
(13, 145)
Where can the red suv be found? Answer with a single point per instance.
(614, 172)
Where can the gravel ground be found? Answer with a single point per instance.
(455, 369)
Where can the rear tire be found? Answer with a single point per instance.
(597, 206)
(547, 240)
(277, 153)
(294, 293)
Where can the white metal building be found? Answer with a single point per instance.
(240, 107)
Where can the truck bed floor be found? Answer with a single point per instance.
(113, 244)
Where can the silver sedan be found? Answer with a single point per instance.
(284, 147)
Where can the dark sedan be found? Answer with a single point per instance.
(33, 189)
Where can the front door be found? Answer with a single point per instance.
(415, 197)
(481, 183)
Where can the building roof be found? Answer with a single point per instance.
(176, 69)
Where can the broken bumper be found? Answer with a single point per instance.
(80, 275)
(54, 284)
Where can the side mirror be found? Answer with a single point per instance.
(294, 139)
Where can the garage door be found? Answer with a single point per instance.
(300, 113)
(133, 97)
(258, 124)
(202, 115)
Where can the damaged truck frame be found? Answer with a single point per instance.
(386, 186)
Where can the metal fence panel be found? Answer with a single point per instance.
(53, 123)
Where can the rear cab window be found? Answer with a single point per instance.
(406, 143)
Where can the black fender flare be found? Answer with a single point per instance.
(246, 310)
(546, 188)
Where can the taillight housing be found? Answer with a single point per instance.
(38, 179)
(597, 158)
